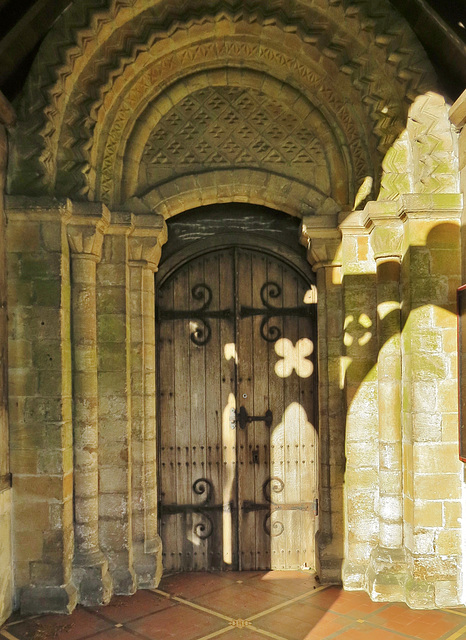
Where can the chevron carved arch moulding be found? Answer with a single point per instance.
(110, 75)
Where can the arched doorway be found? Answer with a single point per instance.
(237, 402)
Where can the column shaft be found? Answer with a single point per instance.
(389, 381)
(85, 430)
(85, 235)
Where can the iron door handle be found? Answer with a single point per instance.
(244, 418)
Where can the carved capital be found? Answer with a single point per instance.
(86, 228)
(322, 240)
(146, 239)
(387, 229)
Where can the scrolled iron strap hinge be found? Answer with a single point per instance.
(268, 311)
(201, 334)
(203, 529)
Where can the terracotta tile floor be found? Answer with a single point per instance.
(243, 606)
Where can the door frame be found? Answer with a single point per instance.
(280, 251)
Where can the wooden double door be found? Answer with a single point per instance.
(237, 441)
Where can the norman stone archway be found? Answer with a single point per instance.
(152, 109)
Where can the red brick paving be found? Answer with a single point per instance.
(242, 606)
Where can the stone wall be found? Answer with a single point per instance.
(82, 454)
(399, 265)
(7, 118)
(458, 118)
(40, 403)
(81, 278)
(394, 361)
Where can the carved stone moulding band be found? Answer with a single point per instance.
(90, 73)
(235, 185)
(323, 134)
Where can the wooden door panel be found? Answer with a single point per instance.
(221, 364)
(232, 497)
(260, 433)
(195, 442)
(281, 348)
(245, 437)
(167, 436)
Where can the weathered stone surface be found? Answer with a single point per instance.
(158, 134)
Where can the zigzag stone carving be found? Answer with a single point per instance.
(424, 159)
(351, 136)
(74, 71)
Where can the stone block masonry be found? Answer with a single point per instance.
(41, 401)
(72, 429)
(280, 118)
(7, 119)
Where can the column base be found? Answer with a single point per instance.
(35, 600)
(387, 575)
(328, 558)
(353, 575)
(148, 565)
(124, 581)
(94, 583)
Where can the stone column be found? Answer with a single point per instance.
(432, 472)
(387, 572)
(359, 381)
(323, 242)
(85, 234)
(145, 244)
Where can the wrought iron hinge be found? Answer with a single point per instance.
(316, 507)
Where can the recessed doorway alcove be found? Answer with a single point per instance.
(237, 392)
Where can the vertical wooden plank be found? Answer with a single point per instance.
(210, 470)
(226, 443)
(167, 453)
(246, 437)
(277, 536)
(182, 295)
(293, 417)
(199, 287)
(308, 435)
(261, 433)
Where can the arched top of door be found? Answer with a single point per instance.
(130, 98)
(222, 226)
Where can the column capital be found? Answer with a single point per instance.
(86, 228)
(322, 239)
(145, 241)
(387, 230)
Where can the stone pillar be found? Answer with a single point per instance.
(432, 472)
(323, 242)
(114, 386)
(145, 244)
(7, 118)
(85, 234)
(359, 381)
(386, 576)
(40, 404)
